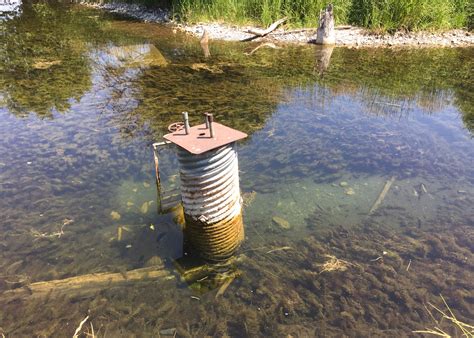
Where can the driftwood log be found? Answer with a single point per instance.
(382, 195)
(258, 33)
(326, 34)
(85, 284)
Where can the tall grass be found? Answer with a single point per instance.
(380, 15)
(390, 15)
(264, 12)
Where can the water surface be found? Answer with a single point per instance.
(84, 95)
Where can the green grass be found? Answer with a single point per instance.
(378, 15)
(391, 15)
(263, 12)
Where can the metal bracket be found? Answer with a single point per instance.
(167, 199)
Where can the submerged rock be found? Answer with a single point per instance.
(154, 260)
(248, 198)
(168, 332)
(115, 215)
(349, 191)
(281, 222)
(144, 208)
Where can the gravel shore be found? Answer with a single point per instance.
(345, 36)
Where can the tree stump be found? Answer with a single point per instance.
(326, 34)
(205, 43)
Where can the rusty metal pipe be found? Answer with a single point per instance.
(211, 200)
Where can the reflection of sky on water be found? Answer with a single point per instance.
(9, 9)
(318, 139)
(132, 56)
(406, 141)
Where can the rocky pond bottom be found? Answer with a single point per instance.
(364, 280)
(357, 183)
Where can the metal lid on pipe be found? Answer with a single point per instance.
(204, 137)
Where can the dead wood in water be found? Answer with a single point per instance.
(325, 34)
(205, 43)
(85, 284)
(266, 44)
(382, 195)
(262, 32)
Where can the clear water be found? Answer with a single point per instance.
(327, 130)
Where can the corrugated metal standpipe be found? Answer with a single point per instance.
(210, 193)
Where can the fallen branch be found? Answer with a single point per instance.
(266, 44)
(224, 286)
(382, 195)
(92, 331)
(258, 33)
(280, 249)
(58, 234)
(294, 31)
(466, 329)
(85, 284)
(343, 27)
(334, 264)
(79, 328)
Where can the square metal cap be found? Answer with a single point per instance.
(199, 139)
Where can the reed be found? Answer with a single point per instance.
(391, 15)
(264, 12)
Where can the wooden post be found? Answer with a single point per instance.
(326, 34)
(205, 43)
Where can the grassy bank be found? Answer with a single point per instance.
(380, 15)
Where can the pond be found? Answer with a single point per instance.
(83, 95)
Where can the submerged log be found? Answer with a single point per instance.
(326, 34)
(382, 195)
(85, 284)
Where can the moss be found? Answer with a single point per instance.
(437, 249)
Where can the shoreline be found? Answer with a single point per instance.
(346, 36)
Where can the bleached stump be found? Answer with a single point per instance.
(326, 34)
(205, 43)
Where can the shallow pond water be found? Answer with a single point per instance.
(83, 95)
